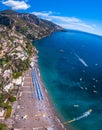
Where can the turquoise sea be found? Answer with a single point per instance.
(71, 68)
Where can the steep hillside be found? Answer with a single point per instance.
(28, 24)
(17, 30)
(17, 54)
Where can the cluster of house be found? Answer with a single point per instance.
(11, 85)
(2, 113)
(1, 53)
(7, 88)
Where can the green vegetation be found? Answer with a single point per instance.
(24, 29)
(11, 38)
(9, 110)
(1, 61)
(2, 98)
(4, 105)
(16, 75)
(1, 85)
(12, 99)
(20, 66)
(26, 64)
(16, 41)
(0, 47)
(6, 59)
(29, 48)
(14, 51)
(3, 126)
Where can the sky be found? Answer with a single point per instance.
(84, 15)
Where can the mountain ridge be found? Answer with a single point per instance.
(28, 24)
(17, 31)
(17, 54)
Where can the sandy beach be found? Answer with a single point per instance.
(34, 110)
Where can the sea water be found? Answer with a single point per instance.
(71, 68)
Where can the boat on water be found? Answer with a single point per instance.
(80, 117)
(76, 105)
(61, 50)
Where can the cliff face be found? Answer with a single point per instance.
(28, 24)
(16, 32)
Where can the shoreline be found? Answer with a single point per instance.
(32, 113)
(59, 118)
(56, 113)
(49, 97)
(50, 102)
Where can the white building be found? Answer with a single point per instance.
(17, 81)
(8, 86)
(7, 73)
(2, 114)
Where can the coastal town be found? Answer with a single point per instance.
(14, 52)
(32, 109)
(50, 65)
(24, 101)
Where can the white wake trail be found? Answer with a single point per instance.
(80, 117)
(81, 60)
(84, 115)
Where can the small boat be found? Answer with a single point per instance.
(96, 64)
(85, 88)
(94, 86)
(87, 113)
(81, 87)
(95, 91)
(76, 105)
(81, 79)
(90, 110)
(61, 50)
(96, 80)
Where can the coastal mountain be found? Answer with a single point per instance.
(17, 54)
(27, 24)
(17, 30)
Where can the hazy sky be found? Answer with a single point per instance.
(85, 15)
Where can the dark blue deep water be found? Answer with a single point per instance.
(71, 68)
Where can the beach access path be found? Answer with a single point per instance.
(34, 111)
